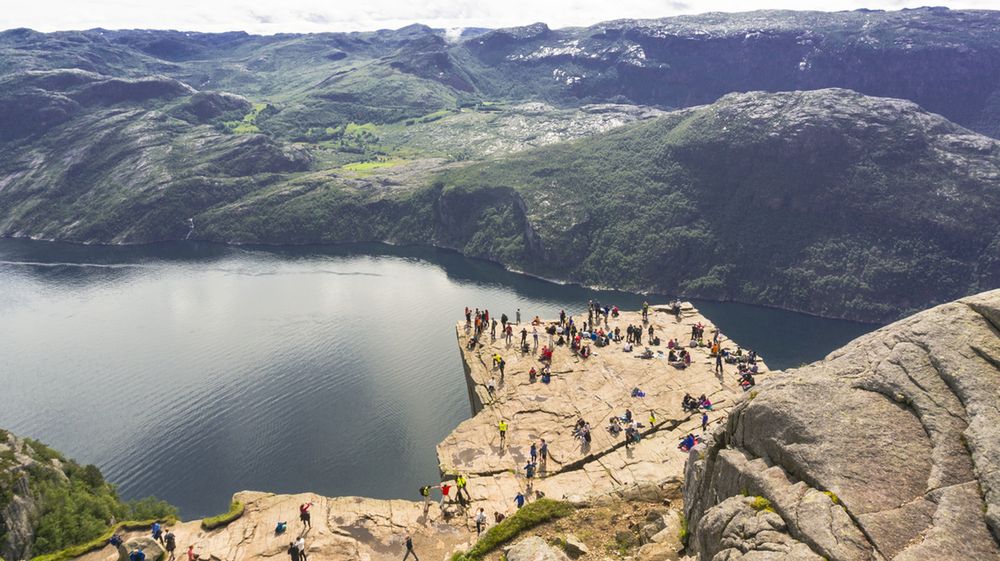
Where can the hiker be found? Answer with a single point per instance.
(461, 484)
(170, 543)
(481, 515)
(445, 489)
(491, 386)
(280, 528)
(533, 452)
(509, 332)
(300, 545)
(517, 316)
(704, 403)
(519, 500)
(689, 403)
(503, 321)
(534, 336)
(562, 317)
(425, 492)
(543, 453)
(409, 549)
(304, 515)
(498, 517)
(529, 471)
(718, 363)
(524, 337)
(501, 366)
(532, 375)
(192, 556)
(645, 312)
(137, 555)
(502, 426)
(652, 419)
(493, 330)
(157, 531)
(704, 422)
(116, 540)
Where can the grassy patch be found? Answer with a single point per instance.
(101, 541)
(235, 511)
(760, 503)
(533, 514)
(684, 533)
(248, 125)
(365, 168)
(833, 497)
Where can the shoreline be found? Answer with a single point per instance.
(652, 293)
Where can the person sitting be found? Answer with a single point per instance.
(614, 312)
(560, 341)
(646, 354)
(585, 351)
(614, 426)
(704, 403)
(280, 528)
(687, 443)
(532, 375)
(689, 403)
(536, 321)
(687, 359)
(546, 376)
(671, 343)
(747, 381)
(671, 356)
(636, 392)
(627, 348)
(546, 355)
(618, 334)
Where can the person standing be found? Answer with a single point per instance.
(718, 363)
(481, 517)
(704, 422)
(461, 486)
(517, 316)
(157, 531)
(445, 489)
(409, 549)
(304, 515)
(519, 499)
(534, 335)
(533, 452)
(293, 552)
(170, 542)
(300, 545)
(502, 426)
(543, 453)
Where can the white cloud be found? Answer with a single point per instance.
(275, 16)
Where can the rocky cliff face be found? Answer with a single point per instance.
(887, 449)
(19, 508)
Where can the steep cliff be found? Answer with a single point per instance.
(887, 449)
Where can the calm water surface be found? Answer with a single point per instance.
(193, 371)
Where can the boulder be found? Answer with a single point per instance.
(534, 549)
(149, 546)
(887, 449)
(575, 547)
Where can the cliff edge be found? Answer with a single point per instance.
(889, 448)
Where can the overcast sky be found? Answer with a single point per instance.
(273, 16)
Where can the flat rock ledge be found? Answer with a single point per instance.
(887, 449)
(593, 389)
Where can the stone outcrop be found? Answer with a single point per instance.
(593, 389)
(534, 548)
(887, 449)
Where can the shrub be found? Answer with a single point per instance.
(684, 532)
(833, 497)
(236, 509)
(760, 503)
(99, 542)
(533, 514)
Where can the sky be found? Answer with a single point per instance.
(276, 16)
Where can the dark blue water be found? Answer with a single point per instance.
(192, 371)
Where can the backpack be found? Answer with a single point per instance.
(425, 491)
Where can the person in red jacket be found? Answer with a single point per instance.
(304, 514)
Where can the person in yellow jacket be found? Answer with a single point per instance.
(461, 482)
(503, 432)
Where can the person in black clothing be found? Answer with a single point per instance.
(409, 549)
(170, 543)
(293, 551)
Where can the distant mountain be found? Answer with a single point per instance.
(946, 61)
(825, 200)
